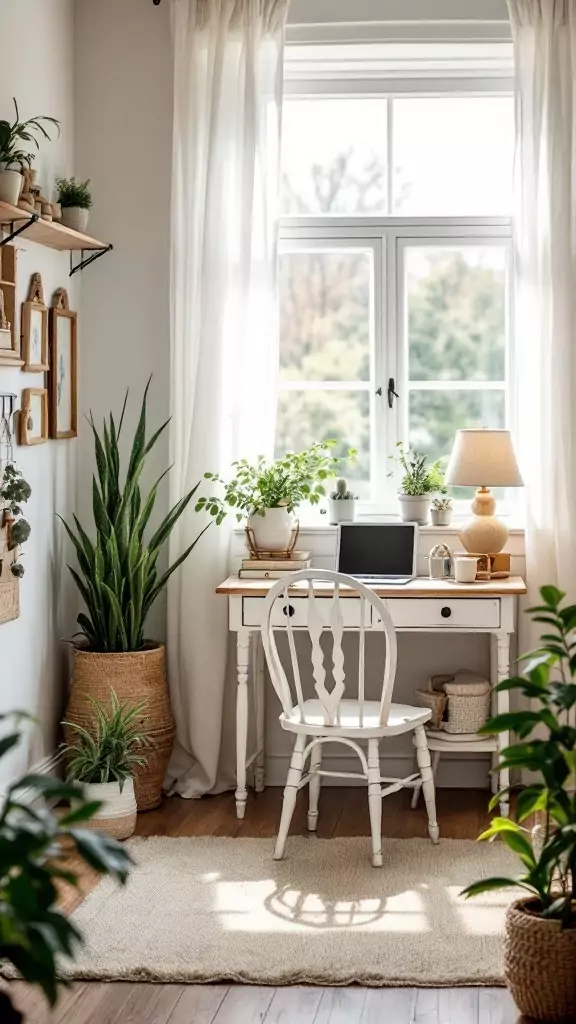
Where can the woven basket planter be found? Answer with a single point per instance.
(540, 964)
(117, 815)
(134, 676)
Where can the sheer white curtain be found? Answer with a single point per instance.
(227, 113)
(544, 33)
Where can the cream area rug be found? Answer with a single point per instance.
(214, 909)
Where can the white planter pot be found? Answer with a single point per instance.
(414, 508)
(441, 516)
(273, 530)
(342, 511)
(75, 217)
(117, 816)
(10, 186)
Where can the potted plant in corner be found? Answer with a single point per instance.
(75, 201)
(268, 493)
(104, 758)
(342, 504)
(119, 580)
(420, 481)
(12, 157)
(540, 936)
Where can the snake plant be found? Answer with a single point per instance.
(117, 572)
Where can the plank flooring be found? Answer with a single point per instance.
(462, 814)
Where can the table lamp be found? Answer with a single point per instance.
(483, 459)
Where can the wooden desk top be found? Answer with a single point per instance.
(422, 586)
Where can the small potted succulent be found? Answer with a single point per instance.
(342, 503)
(14, 491)
(420, 481)
(12, 157)
(441, 511)
(75, 201)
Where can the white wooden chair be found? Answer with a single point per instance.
(332, 717)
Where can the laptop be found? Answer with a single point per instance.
(377, 553)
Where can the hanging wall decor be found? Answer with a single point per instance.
(33, 419)
(35, 328)
(63, 393)
(9, 336)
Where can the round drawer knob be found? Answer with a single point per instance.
(289, 609)
(445, 612)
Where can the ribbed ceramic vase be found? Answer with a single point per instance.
(134, 676)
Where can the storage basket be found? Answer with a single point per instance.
(468, 706)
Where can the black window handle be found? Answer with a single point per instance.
(289, 609)
(392, 394)
(445, 613)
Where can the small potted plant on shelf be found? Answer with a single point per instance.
(342, 503)
(14, 491)
(420, 481)
(104, 757)
(75, 201)
(13, 135)
(268, 493)
(441, 511)
(37, 844)
(540, 937)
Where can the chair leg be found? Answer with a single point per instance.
(435, 765)
(375, 801)
(314, 787)
(290, 794)
(428, 788)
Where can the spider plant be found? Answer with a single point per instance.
(12, 135)
(109, 751)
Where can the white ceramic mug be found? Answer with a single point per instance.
(465, 568)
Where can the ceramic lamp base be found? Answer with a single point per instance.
(484, 533)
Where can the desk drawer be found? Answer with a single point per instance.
(252, 611)
(433, 613)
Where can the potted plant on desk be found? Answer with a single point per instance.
(420, 481)
(540, 938)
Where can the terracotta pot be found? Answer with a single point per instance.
(134, 676)
(117, 816)
(540, 964)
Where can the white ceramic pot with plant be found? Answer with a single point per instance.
(268, 493)
(75, 201)
(12, 157)
(342, 504)
(441, 511)
(419, 482)
(104, 755)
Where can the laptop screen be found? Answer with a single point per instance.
(377, 549)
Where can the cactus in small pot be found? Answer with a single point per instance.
(342, 507)
(441, 511)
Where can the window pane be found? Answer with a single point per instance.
(326, 317)
(305, 417)
(453, 155)
(435, 416)
(456, 299)
(334, 155)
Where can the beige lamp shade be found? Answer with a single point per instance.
(483, 458)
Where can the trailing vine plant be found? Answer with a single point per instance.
(14, 492)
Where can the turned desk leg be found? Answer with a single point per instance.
(260, 698)
(242, 661)
(503, 706)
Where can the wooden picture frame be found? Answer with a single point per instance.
(63, 374)
(33, 418)
(9, 335)
(34, 328)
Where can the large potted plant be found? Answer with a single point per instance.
(35, 857)
(420, 481)
(267, 493)
(118, 580)
(13, 135)
(75, 200)
(104, 758)
(540, 936)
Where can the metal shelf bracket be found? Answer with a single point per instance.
(18, 231)
(86, 261)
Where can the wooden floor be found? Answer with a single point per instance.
(344, 812)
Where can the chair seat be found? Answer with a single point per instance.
(401, 718)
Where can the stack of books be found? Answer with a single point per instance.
(274, 568)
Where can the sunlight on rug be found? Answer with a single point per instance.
(212, 909)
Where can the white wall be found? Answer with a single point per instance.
(36, 67)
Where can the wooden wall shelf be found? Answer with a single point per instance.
(51, 234)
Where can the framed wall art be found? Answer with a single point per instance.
(9, 336)
(62, 380)
(33, 419)
(35, 328)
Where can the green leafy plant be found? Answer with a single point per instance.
(286, 482)
(35, 850)
(74, 193)
(109, 751)
(118, 577)
(342, 493)
(441, 504)
(548, 681)
(13, 134)
(420, 476)
(14, 492)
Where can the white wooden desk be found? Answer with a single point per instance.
(422, 606)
